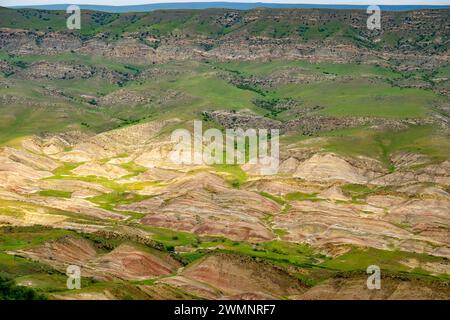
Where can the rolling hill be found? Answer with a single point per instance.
(364, 176)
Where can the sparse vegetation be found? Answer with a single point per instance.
(331, 88)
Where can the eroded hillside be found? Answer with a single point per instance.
(364, 175)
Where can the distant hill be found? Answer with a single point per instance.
(226, 5)
(306, 25)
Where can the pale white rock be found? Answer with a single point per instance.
(328, 167)
(35, 161)
(120, 160)
(289, 165)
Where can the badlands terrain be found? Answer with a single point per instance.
(364, 177)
